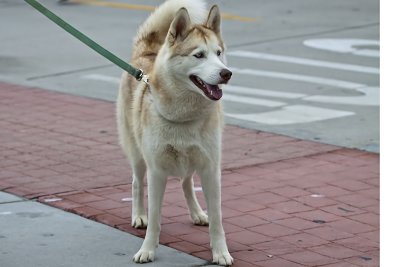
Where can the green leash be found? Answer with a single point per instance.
(137, 73)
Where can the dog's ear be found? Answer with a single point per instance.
(214, 19)
(179, 27)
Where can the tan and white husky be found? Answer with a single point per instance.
(173, 125)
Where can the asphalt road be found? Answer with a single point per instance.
(303, 68)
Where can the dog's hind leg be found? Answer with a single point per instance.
(197, 214)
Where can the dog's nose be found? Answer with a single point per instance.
(225, 74)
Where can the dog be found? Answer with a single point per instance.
(172, 126)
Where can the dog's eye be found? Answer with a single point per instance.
(219, 52)
(199, 55)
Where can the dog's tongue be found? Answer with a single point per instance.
(213, 91)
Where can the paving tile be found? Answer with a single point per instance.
(297, 223)
(87, 212)
(358, 200)
(83, 197)
(187, 247)
(328, 233)
(265, 198)
(197, 237)
(276, 247)
(110, 219)
(273, 230)
(278, 262)
(106, 204)
(243, 205)
(290, 206)
(370, 259)
(124, 212)
(166, 238)
(291, 191)
(374, 236)
(309, 258)
(269, 214)
(317, 215)
(343, 210)
(246, 221)
(341, 264)
(316, 202)
(351, 226)
(367, 218)
(252, 256)
(177, 229)
(247, 237)
(336, 251)
(236, 246)
(358, 243)
(304, 240)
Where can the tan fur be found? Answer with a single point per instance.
(169, 127)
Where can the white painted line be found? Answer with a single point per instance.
(228, 89)
(370, 97)
(253, 101)
(5, 213)
(292, 114)
(298, 77)
(103, 78)
(353, 46)
(304, 61)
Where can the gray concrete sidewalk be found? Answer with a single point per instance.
(33, 234)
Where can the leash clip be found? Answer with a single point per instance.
(143, 77)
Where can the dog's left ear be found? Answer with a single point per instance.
(214, 19)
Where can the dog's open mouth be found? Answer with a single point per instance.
(212, 91)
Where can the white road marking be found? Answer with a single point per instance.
(298, 77)
(353, 46)
(292, 115)
(260, 92)
(304, 61)
(100, 77)
(370, 97)
(252, 101)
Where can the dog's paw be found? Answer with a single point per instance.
(143, 256)
(224, 259)
(200, 218)
(139, 221)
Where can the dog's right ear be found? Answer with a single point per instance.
(179, 27)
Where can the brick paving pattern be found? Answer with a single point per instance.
(286, 202)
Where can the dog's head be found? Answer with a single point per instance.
(197, 53)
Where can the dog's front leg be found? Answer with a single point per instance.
(156, 189)
(211, 183)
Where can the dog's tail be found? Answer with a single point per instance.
(151, 35)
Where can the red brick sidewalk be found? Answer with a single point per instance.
(286, 202)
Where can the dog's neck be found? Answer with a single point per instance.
(175, 103)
